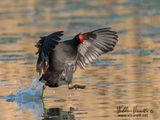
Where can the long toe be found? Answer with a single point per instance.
(76, 86)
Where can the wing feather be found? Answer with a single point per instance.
(45, 47)
(97, 42)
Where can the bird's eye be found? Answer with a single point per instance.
(81, 38)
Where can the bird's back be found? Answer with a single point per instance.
(64, 53)
(62, 63)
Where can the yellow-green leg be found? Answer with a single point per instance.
(44, 107)
(43, 91)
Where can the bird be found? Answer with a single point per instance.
(58, 59)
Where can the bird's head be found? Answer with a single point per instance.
(79, 38)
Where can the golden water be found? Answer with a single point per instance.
(128, 76)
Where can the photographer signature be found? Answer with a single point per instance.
(136, 110)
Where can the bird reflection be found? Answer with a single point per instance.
(58, 114)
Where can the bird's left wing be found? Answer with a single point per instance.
(45, 47)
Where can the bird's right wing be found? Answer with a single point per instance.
(45, 47)
(95, 43)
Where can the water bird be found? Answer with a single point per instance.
(58, 60)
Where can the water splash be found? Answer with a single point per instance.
(29, 98)
(28, 94)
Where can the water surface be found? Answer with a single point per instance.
(128, 76)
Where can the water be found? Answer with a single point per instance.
(28, 93)
(29, 97)
(128, 76)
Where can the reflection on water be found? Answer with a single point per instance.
(128, 76)
(58, 114)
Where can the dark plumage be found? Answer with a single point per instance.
(58, 60)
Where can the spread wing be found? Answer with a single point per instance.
(45, 47)
(95, 43)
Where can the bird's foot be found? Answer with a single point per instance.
(76, 86)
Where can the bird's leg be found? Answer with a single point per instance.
(44, 86)
(44, 107)
(76, 86)
(43, 91)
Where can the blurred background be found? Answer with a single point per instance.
(127, 76)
